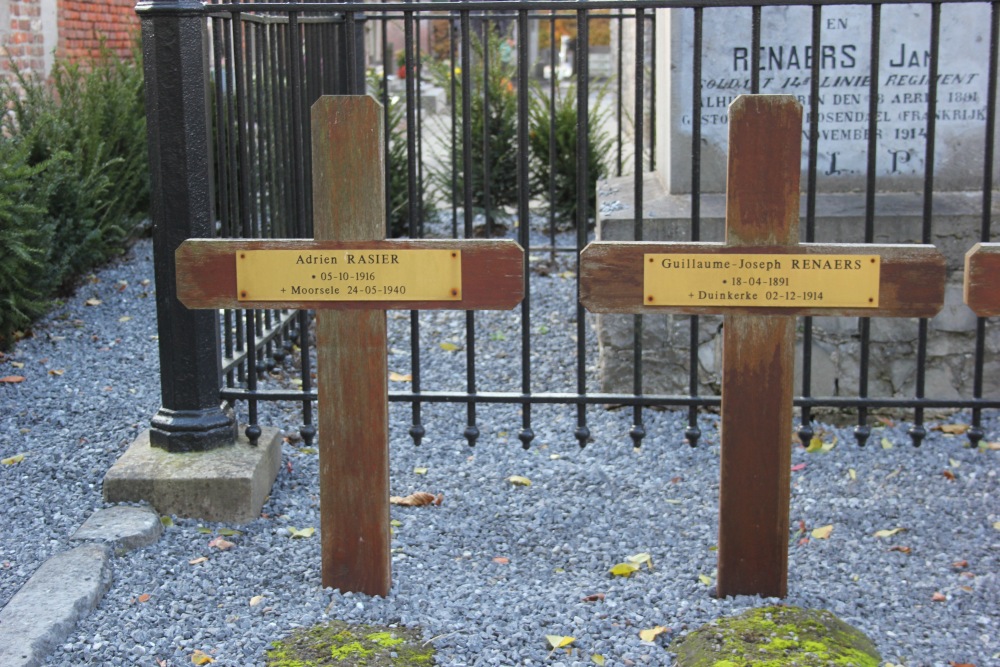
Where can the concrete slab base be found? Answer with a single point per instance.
(65, 589)
(228, 484)
(124, 528)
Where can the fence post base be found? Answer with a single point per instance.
(227, 484)
(192, 430)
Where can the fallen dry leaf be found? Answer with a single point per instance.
(960, 563)
(823, 532)
(399, 377)
(888, 533)
(12, 460)
(221, 544)
(502, 560)
(301, 533)
(798, 466)
(12, 379)
(953, 429)
(197, 561)
(448, 347)
(144, 597)
(904, 550)
(92, 302)
(418, 499)
(518, 480)
(624, 569)
(594, 597)
(938, 597)
(949, 475)
(557, 641)
(651, 633)
(56, 371)
(256, 600)
(201, 658)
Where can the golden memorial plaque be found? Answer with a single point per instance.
(349, 275)
(759, 280)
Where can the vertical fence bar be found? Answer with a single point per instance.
(243, 121)
(581, 69)
(652, 91)
(301, 195)
(553, 77)
(805, 430)
(976, 432)
(692, 434)
(755, 49)
(619, 95)
(638, 430)
(918, 432)
(526, 434)
(471, 432)
(862, 431)
(417, 431)
(175, 64)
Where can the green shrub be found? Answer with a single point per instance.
(75, 178)
(399, 193)
(496, 119)
(559, 122)
(25, 235)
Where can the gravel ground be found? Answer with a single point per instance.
(497, 567)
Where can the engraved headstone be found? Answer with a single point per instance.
(845, 66)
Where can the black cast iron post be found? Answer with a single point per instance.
(191, 417)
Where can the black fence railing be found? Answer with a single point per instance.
(499, 112)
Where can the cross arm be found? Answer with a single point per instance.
(911, 281)
(982, 279)
(492, 273)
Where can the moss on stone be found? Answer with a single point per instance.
(338, 644)
(776, 637)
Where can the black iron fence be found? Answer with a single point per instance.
(476, 98)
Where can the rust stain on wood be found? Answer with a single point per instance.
(492, 273)
(911, 278)
(982, 279)
(352, 368)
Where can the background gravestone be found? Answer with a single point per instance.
(786, 60)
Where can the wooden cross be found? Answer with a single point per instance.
(349, 224)
(982, 279)
(761, 278)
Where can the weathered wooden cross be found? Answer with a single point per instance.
(761, 278)
(982, 279)
(351, 277)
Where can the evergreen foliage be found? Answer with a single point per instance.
(558, 119)
(74, 178)
(493, 125)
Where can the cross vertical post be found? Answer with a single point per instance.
(762, 209)
(349, 205)
(760, 278)
(351, 276)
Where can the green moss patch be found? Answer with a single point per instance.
(777, 637)
(339, 644)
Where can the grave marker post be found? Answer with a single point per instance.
(982, 279)
(349, 260)
(761, 278)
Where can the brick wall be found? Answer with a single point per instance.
(83, 23)
(32, 30)
(21, 36)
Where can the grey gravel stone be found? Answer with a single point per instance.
(597, 505)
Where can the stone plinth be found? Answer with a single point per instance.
(227, 484)
(836, 342)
